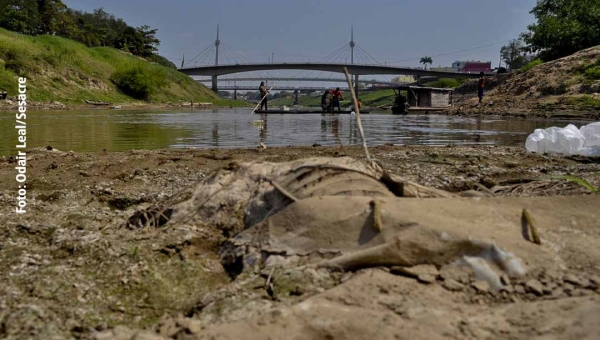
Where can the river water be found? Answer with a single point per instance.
(119, 130)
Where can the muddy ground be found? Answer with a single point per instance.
(69, 270)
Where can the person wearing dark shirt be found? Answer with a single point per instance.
(263, 94)
(481, 86)
(337, 97)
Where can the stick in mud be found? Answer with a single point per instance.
(357, 110)
(528, 220)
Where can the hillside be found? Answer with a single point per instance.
(62, 70)
(567, 87)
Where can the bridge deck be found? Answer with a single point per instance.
(355, 69)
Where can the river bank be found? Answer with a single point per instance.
(11, 105)
(69, 269)
(568, 87)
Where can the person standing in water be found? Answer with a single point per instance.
(481, 86)
(338, 96)
(263, 94)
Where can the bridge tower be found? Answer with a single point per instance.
(214, 78)
(352, 44)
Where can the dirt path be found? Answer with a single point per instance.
(69, 270)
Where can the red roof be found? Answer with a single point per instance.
(477, 67)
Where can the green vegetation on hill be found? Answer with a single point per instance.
(584, 101)
(446, 83)
(99, 28)
(59, 69)
(563, 27)
(530, 65)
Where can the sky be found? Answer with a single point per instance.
(391, 31)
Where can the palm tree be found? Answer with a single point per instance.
(426, 60)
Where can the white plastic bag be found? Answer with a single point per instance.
(591, 133)
(568, 140)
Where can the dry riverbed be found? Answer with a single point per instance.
(69, 270)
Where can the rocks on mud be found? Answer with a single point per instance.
(535, 287)
(453, 285)
(481, 286)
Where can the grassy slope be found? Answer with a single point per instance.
(59, 69)
(372, 98)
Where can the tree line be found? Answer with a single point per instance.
(99, 28)
(562, 28)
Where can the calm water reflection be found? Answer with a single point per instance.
(94, 130)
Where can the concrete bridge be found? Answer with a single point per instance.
(356, 69)
(315, 79)
(279, 88)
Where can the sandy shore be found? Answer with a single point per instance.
(70, 271)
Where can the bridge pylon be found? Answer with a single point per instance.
(352, 44)
(214, 78)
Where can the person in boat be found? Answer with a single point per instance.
(480, 86)
(359, 102)
(263, 94)
(401, 105)
(338, 96)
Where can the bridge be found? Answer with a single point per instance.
(354, 69)
(279, 88)
(334, 62)
(313, 79)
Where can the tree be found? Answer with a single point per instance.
(563, 27)
(20, 16)
(149, 40)
(426, 60)
(55, 18)
(514, 54)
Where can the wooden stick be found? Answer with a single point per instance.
(357, 110)
(263, 98)
(531, 223)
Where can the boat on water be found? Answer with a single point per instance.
(420, 99)
(299, 112)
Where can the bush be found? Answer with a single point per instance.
(15, 62)
(446, 83)
(140, 82)
(593, 73)
(585, 101)
(531, 65)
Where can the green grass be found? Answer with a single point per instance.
(59, 69)
(579, 181)
(591, 72)
(585, 101)
(530, 65)
(446, 83)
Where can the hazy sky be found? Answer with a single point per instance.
(392, 31)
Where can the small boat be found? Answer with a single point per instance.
(299, 112)
(284, 108)
(116, 107)
(420, 99)
(96, 103)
